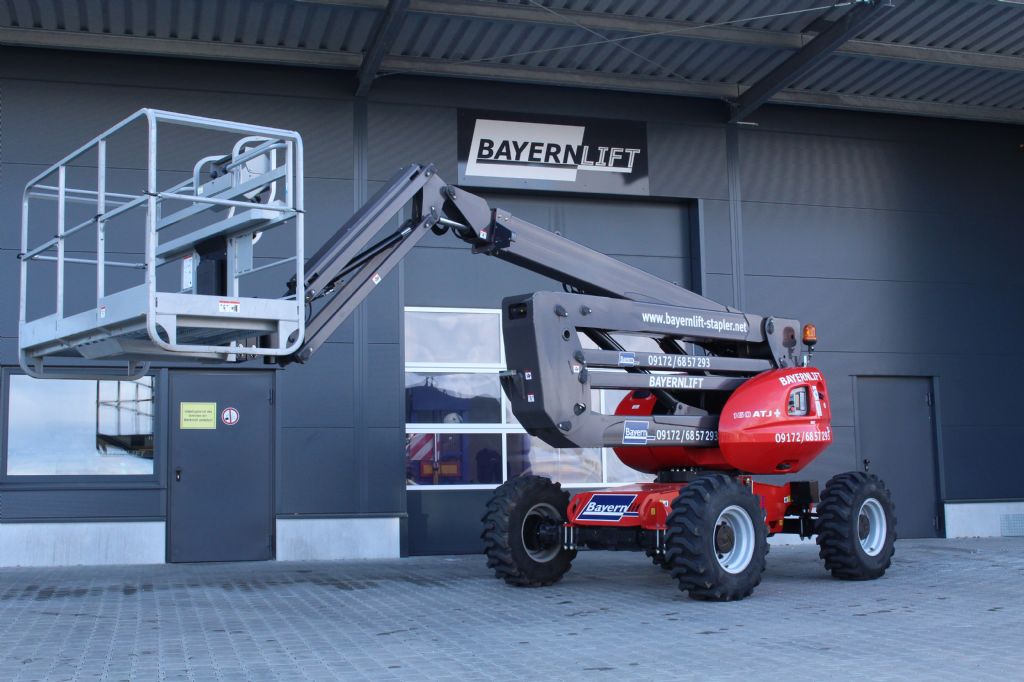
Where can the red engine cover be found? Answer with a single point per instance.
(758, 435)
(756, 432)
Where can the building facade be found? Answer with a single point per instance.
(897, 236)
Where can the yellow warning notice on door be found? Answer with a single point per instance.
(198, 415)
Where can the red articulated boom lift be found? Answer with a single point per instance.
(726, 396)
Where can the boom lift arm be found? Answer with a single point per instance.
(701, 350)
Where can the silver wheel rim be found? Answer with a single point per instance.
(734, 539)
(542, 511)
(871, 526)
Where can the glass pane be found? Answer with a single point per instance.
(452, 337)
(620, 473)
(452, 458)
(79, 428)
(510, 417)
(529, 455)
(436, 398)
(612, 398)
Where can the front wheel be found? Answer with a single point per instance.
(717, 542)
(856, 526)
(523, 532)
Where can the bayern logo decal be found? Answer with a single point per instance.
(607, 507)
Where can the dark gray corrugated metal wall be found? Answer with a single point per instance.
(897, 236)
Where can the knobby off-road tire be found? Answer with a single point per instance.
(856, 526)
(717, 541)
(514, 549)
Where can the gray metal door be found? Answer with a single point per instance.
(221, 466)
(896, 438)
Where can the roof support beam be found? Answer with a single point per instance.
(687, 30)
(172, 47)
(808, 57)
(887, 105)
(670, 86)
(379, 46)
(30, 37)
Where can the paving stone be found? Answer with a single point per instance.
(945, 610)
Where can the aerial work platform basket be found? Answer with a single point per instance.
(144, 245)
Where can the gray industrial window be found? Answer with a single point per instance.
(460, 430)
(450, 336)
(452, 398)
(529, 455)
(79, 427)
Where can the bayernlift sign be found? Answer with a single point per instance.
(526, 151)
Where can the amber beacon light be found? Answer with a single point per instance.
(810, 335)
(810, 338)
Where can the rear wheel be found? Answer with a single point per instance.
(523, 532)
(716, 543)
(856, 526)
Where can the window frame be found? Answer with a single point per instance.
(504, 429)
(456, 367)
(155, 480)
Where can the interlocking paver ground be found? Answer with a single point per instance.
(948, 609)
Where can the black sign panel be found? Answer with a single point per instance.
(528, 151)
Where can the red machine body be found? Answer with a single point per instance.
(775, 423)
(647, 505)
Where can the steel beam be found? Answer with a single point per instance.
(171, 47)
(561, 77)
(672, 86)
(383, 38)
(887, 105)
(28, 37)
(857, 18)
(600, 21)
(694, 31)
(591, 20)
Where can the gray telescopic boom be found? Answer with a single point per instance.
(696, 353)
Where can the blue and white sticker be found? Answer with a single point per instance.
(607, 507)
(627, 359)
(635, 432)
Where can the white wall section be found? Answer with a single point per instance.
(984, 519)
(333, 539)
(88, 543)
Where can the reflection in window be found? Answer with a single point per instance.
(453, 359)
(437, 398)
(617, 471)
(529, 455)
(60, 427)
(452, 337)
(452, 458)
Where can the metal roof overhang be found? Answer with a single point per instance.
(947, 58)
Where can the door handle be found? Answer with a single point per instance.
(177, 474)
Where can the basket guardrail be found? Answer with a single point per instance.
(207, 226)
